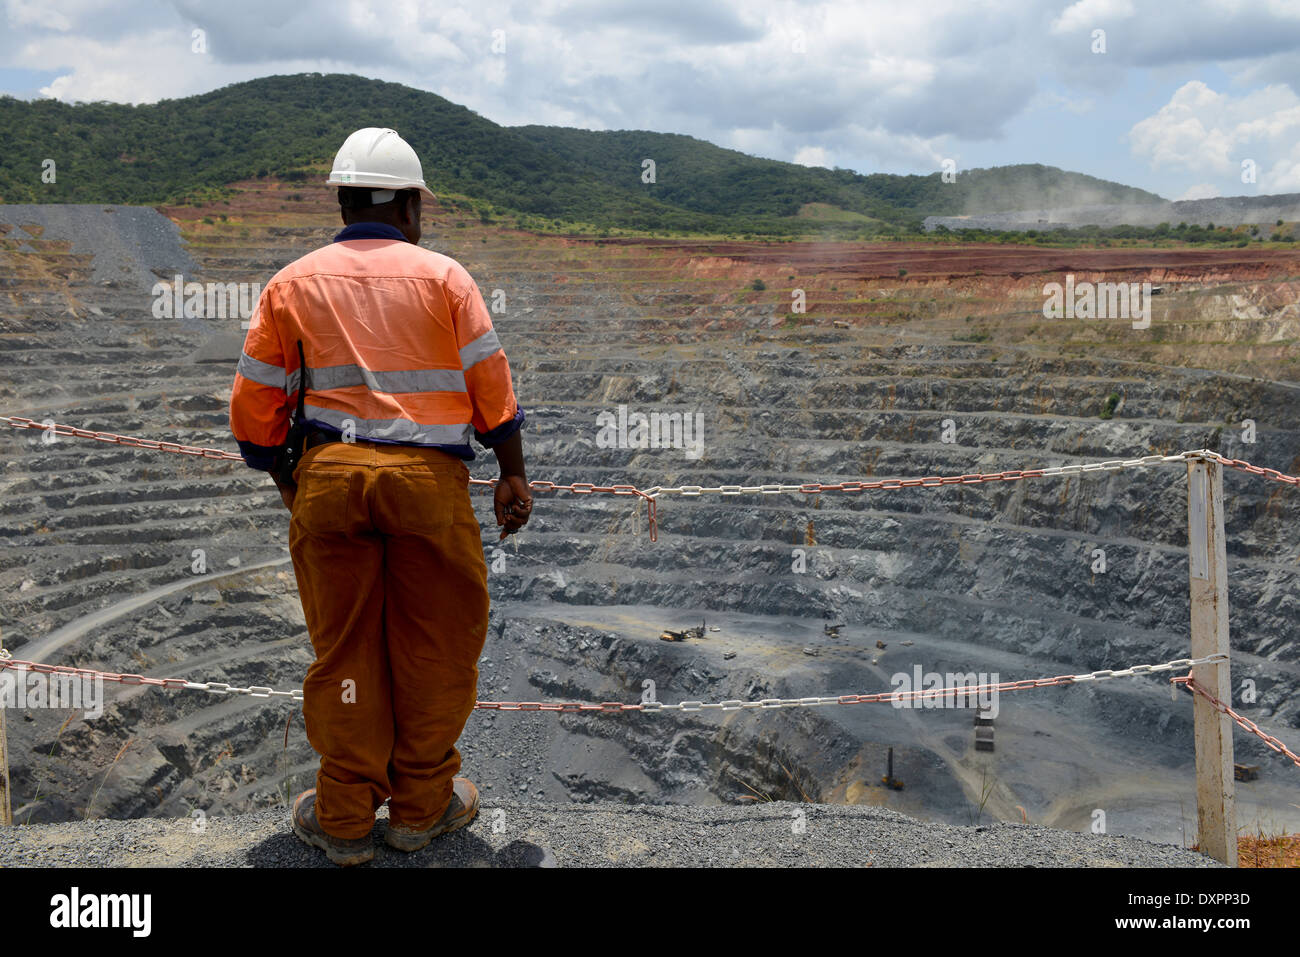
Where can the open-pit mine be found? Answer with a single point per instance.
(796, 363)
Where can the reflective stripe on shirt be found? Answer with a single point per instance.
(391, 430)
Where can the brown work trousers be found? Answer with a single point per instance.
(390, 568)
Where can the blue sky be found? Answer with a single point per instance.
(1165, 95)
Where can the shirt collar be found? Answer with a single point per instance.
(369, 231)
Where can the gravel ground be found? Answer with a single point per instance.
(133, 246)
(507, 834)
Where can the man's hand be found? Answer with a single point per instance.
(286, 493)
(513, 503)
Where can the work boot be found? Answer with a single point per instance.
(461, 810)
(341, 851)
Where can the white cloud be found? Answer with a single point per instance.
(812, 156)
(1201, 191)
(1091, 14)
(116, 74)
(1204, 132)
(1284, 175)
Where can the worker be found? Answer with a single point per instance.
(401, 368)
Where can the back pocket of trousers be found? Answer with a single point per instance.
(423, 500)
(322, 503)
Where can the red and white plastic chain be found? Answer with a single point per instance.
(883, 697)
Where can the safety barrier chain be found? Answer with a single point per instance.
(18, 422)
(891, 697)
(586, 488)
(929, 481)
(882, 697)
(1245, 723)
(1242, 465)
(214, 687)
(650, 495)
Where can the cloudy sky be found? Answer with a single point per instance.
(1173, 96)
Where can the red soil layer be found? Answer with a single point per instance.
(868, 261)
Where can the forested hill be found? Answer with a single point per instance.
(290, 126)
(697, 175)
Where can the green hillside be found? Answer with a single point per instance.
(697, 175)
(188, 149)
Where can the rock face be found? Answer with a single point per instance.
(165, 565)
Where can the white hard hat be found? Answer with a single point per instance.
(380, 158)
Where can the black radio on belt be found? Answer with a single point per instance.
(291, 451)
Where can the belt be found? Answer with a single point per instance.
(315, 438)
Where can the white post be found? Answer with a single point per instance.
(1216, 815)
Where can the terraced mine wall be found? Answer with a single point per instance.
(909, 361)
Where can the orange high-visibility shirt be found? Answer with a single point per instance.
(398, 343)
